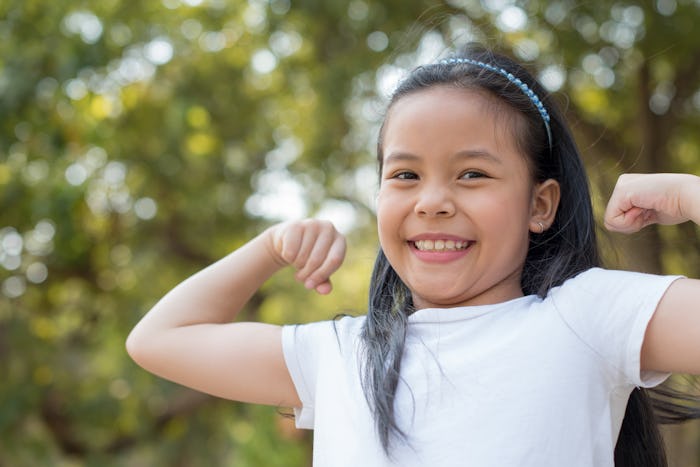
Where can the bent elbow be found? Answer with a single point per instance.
(136, 347)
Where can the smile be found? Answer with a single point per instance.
(440, 245)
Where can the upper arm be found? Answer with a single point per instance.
(672, 339)
(239, 361)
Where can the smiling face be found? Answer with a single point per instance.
(457, 200)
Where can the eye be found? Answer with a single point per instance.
(469, 174)
(405, 175)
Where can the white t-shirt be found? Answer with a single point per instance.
(528, 382)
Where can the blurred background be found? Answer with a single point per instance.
(140, 141)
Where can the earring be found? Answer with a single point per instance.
(541, 226)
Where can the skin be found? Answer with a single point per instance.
(189, 337)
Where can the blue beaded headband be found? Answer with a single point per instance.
(524, 87)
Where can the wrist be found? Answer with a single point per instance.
(268, 239)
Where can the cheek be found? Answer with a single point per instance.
(387, 225)
(500, 200)
(502, 213)
(388, 204)
(384, 217)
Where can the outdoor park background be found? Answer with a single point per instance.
(140, 141)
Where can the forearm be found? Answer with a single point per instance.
(188, 336)
(217, 293)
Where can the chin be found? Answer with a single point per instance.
(437, 301)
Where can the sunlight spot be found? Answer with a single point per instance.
(119, 389)
(284, 44)
(13, 287)
(159, 51)
(358, 10)
(527, 50)
(11, 241)
(278, 196)
(191, 29)
(213, 41)
(552, 78)
(76, 174)
(44, 231)
(388, 77)
(255, 18)
(666, 7)
(263, 61)
(75, 89)
(512, 19)
(604, 77)
(377, 41)
(37, 273)
(280, 7)
(115, 173)
(145, 208)
(341, 213)
(85, 24)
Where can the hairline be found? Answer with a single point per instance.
(511, 121)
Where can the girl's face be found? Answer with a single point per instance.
(457, 200)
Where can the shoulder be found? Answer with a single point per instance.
(602, 297)
(609, 299)
(612, 284)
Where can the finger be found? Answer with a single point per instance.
(619, 203)
(308, 243)
(629, 221)
(333, 259)
(317, 256)
(289, 242)
(324, 288)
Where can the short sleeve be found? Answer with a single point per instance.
(302, 363)
(610, 311)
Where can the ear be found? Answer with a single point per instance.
(545, 201)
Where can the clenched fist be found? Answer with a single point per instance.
(313, 247)
(639, 200)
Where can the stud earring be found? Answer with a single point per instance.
(541, 226)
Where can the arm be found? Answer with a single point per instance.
(188, 336)
(672, 339)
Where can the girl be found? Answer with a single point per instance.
(492, 338)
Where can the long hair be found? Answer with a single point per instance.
(564, 250)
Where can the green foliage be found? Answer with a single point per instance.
(141, 141)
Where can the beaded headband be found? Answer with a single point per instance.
(523, 87)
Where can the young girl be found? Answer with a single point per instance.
(492, 338)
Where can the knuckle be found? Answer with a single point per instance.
(335, 259)
(288, 256)
(325, 225)
(313, 264)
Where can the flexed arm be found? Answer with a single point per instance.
(639, 200)
(672, 339)
(188, 336)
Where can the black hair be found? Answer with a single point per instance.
(561, 252)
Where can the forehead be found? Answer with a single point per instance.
(448, 117)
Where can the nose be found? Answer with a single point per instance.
(435, 201)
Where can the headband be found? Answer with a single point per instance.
(509, 76)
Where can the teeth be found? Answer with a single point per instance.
(440, 245)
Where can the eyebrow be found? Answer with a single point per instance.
(465, 154)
